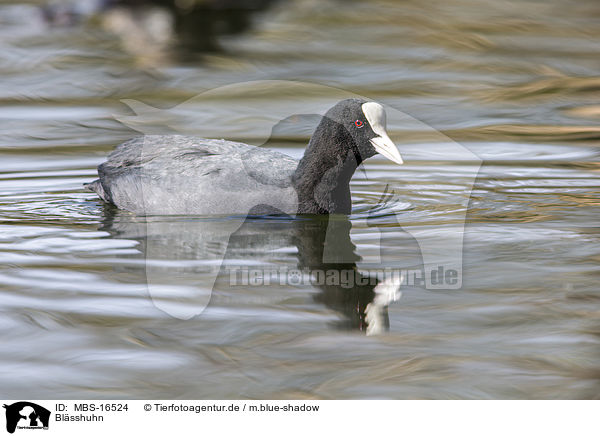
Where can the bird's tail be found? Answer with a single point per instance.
(96, 187)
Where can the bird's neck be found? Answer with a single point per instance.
(322, 178)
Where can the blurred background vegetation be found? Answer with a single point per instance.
(473, 68)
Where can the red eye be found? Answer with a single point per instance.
(358, 123)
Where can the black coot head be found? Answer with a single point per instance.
(362, 123)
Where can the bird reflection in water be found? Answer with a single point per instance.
(324, 244)
(190, 253)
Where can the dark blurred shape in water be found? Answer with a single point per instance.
(197, 24)
(194, 251)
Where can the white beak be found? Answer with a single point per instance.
(385, 146)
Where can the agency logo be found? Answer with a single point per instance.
(279, 109)
(26, 415)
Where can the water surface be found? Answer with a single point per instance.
(516, 83)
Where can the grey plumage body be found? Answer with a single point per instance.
(184, 175)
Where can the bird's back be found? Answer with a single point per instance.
(184, 175)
